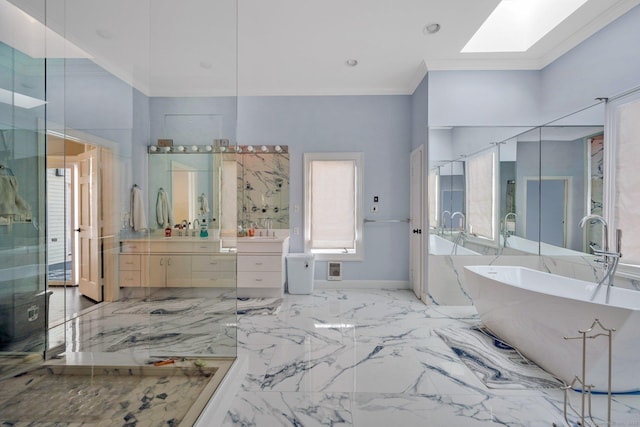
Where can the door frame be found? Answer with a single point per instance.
(417, 222)
(111, 215)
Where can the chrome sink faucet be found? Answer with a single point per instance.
(442, 226)
(269, 224)
(608, 259)
(462, 220)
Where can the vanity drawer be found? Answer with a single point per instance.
(269, 279)
(206, 247)
(213, 263)
(223, 279)
(130, 278)
(134, 247)
(260, 246)
(129, 262)
(259, 263)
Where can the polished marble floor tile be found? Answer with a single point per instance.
(370, 358)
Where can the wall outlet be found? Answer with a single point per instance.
(374, 208)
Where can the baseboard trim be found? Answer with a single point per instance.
(361, 284)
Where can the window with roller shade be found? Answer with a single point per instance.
(333, 205)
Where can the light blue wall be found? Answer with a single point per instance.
(606, 64)
(378, 126)
(484, 98)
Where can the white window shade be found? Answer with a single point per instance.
(333, 204)
(627, 182)
(481, 173)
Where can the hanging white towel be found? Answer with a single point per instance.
(137, 219)
(10, 201)
(204, 204)
(164, 214)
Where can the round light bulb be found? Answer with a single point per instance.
(180, 148)
(209, 148)
(166, 149)
(250, 148)
(278, 148)
(264, 148)
(194, 148)
(153, 148)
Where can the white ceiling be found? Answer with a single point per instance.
(296, 47)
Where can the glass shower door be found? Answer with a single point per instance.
(23, 295)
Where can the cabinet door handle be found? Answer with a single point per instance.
(258, 280)
(161, 261)
(169, 261)
(258, 263)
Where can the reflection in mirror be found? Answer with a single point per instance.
(263, 187)
(482, 203)
(552, 189)
(184, 188)
(548, 178)
(564, 188)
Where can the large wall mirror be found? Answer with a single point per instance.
(514, 191)
(185, 186)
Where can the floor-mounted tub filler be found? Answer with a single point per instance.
(534, 312)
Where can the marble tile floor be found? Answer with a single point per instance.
(361, 358)
(372, 358)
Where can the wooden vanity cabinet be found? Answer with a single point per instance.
(175, 264)
(261, 267)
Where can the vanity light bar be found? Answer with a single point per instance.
(218, 146)
(262, 149)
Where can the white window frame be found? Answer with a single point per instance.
(334, 255)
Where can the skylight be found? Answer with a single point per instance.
(516, 25)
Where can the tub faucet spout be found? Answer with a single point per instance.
(459, 240)
(608, 259)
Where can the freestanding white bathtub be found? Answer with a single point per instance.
(533, 311)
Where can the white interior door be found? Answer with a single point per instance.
(416, 239)
(90, 280)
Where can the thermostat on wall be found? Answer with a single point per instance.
(334, 270)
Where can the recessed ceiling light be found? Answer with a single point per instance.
(431, 28)
(352, 62)
(516, 25)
